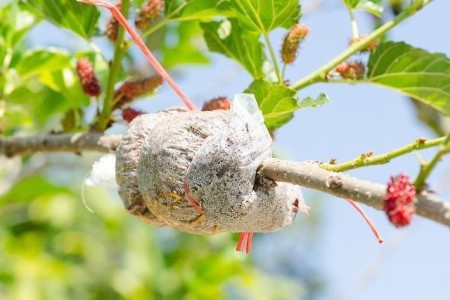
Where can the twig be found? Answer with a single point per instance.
(427, 168)
(364, 159)
(120, 49)
(307, 174)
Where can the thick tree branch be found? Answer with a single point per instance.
(93, 141)
(307, 174)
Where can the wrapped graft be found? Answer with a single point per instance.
(211, 155)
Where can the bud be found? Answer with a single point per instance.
(151, 10)
(217, 103)
(133, 89)
(112, 27)
(87, 77)
(129, 113)
(292, 41)
(351, 70)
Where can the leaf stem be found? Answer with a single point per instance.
(273, 58)
(366, 159)
(120, 48)
(320, 75)
(427, 168)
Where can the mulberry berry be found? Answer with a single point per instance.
(112, 27)
(292, 41)
(129, 113)
(399, 201)
(149, 11)
(132, 89)
(217, 103)
(370, 47)
(351, 70)
(87, 77)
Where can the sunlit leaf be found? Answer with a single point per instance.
(265, 15)
(70, 14)
(277, 102)
(187, 48)
(36, 61)
(310, 102)
(414, 72)
(230, 39)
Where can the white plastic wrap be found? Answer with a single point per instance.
(216, 153)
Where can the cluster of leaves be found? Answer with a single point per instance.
(53, 248)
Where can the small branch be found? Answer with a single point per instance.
(320, 75)
(273, 58)
(307, 174)
(311, 175)
(120, 49)
(11, 146)
(426, 169)
(364, 160)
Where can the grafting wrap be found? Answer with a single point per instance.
(217, 154)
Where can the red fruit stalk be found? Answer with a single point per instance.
(222, 103)
(87, 77)
(132, 89)
(151, 10)
(148, 54)
(399, 201)
(292, 41)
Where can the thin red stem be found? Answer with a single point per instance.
(148, 54)
(367, 219)
(191, 199)
(245, 242)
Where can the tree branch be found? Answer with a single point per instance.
(307, 174)
(92, 141)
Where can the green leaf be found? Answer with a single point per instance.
(310, 102)
(414, 72)
(186, 48)
(70, 14)
(203, 10)
(230, 39)
(276, 102)
(36, 61)
(265, 15)
(374, 7)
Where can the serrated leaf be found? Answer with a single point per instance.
(276, 102)
(230, 39)
(265, 15)
(36, 61)
(374, 7)
(187, 47)
(69, 14)
(414, 72)
(310, 102)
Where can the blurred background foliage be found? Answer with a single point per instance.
(52, 246)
